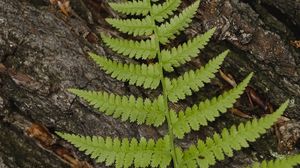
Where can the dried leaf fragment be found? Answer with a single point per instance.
(64, 6)
(239, 113)
(41, 134)
(295, 43)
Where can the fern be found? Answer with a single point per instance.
(128, 108)
(144, 49)
(207, 110)
(168, 30)
(135, 27)
(206, 153)
(123, 152)
(140, 75)
(162, 11)
(183, 53)
(132, 7)
(193, 80)
(287, 162)
(157, 32)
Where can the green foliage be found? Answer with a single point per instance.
(193, 80)
(161, 11)
(134, 27)
(287, 162)
(168, 30)
(126, 108)
(206, 111)
(206, 153)
(144, 49)
(123, 152)
(132, 7)
(139, 75)
(156, 32)
(183, 53)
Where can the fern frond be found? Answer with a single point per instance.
(207, 110)
(183, 53)
(147, 76)
(287, 162)
(132, 7)
(162, 11)
(126, 108)
(193, 80)
(135, 27)
(205, 154)
(137, 49)
(176, 24)
(123, 153)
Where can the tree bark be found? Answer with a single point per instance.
(43, 53)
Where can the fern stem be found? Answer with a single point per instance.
(164, 89)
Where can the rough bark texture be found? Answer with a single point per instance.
(43, 52)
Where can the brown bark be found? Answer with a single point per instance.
(43, 52)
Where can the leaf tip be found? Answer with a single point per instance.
(72, 90)
(213, 29)
(93, 56)
(285, 104)
(226, 52)
(60, 134)
(250, 75)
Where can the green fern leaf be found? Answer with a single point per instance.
(176, 24)
(137, 49)
(207, 110)
(287, 162)
(205, 154)
(148, 153)
(128, 108)
(193, 80)
(162, 11)
(123, 153)
(135, 27)
(132, 7)
(143, 75)
(183, 53)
